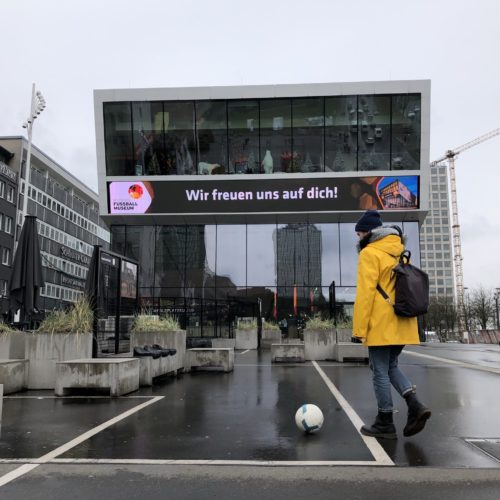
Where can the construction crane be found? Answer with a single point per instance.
(457, 242)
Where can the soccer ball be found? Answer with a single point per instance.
(309, 418)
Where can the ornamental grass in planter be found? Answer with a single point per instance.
(149, 329)
(316, 323)
(61, 336)
(77, 319)
(149, 323)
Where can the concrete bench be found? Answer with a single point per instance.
(150, 368)
(206, 358)
(13, 375)
(288, 352)
(350, 350)
(225, 343)
(119, 375)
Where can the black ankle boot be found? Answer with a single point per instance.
(383, 427)
(418, 414)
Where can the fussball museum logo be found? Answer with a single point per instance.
(130, 198)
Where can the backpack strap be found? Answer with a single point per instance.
(384, 294)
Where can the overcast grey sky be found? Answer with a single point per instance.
(70, 48)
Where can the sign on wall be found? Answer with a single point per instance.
(254, 195)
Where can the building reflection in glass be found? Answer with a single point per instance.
(209, 274)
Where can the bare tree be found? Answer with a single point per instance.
(482, 306)
(442, 316)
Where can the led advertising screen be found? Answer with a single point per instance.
(254, 195)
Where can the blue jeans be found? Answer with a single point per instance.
(384, 365)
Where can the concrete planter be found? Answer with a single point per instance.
(12, 345)
(174, 339)
(246, 339)
(270, 337)
(319, 344)
(343, 335)
(43, 350)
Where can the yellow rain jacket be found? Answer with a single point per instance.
(375, 321)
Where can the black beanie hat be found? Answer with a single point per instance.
(369, 220)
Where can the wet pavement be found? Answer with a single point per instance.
(248, 417)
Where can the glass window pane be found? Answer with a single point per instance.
(261, 251)
(118, 239)
(330, 252)
(307, 122)
(341, 133)
(211, 137)
(348, 255)
(180, 141)
(405, 132)
(149, 147)
(231, 255)
(118, 138)
(292, 254)
(140, 245)
(413, 241)
(276, 135)
(196, 257)
(314, 257)
(374, 125)
(170, 257)
(243, 131)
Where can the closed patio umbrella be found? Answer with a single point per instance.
(27, 278)
(92, 293)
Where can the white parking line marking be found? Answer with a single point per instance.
(24, 469)
(244, 352)
(139, 461)
(463, 364)
(373, 445)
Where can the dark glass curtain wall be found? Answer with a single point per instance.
(206, 270)
(251, 136)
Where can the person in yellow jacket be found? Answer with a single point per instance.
(376, 324)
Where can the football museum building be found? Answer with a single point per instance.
(227, 195)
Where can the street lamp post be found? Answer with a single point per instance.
(497, 296)
(37, 106)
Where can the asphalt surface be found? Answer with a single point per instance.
(245, 420)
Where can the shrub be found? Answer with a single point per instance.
(78, 319)
(269, 326)
(5, 328)
(247, 325)
(317, 323)
(145, 322)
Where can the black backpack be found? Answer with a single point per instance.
(412, 287)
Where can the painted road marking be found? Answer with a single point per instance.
(372, 444)
(140, 461)
(24, 469)
(463, 364)
(244, 352)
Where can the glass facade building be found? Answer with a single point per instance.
(208, 255)
(252, 136)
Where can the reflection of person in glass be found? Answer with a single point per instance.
(376, 324)
(148, 154)
(364, 194)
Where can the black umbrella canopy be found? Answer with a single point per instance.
(27, 278)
